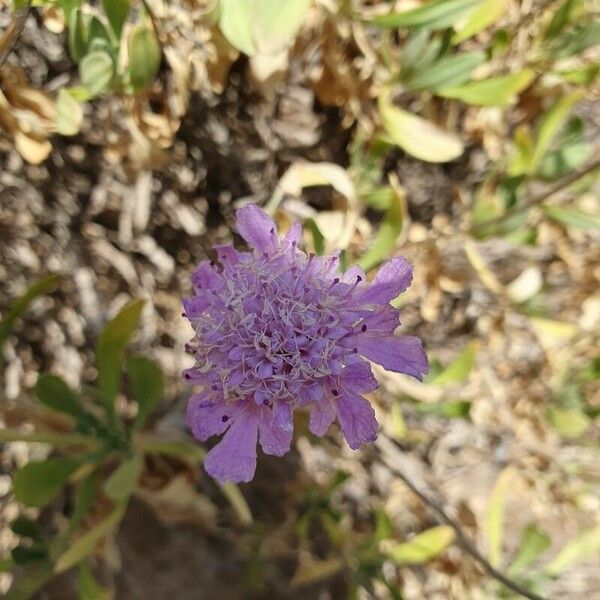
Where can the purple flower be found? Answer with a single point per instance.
(277, 330)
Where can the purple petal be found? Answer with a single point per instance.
(257, 228)
(353, 273)
(206, 277)
(282, 416)
(357, 419)
(322, 415)
(195, 306)
(400, 354)
(206, 418)
(359, 378)
(274, 440)
(293, 235)
(384, 320)
(234, 457)
(227, 254)
(391, 280)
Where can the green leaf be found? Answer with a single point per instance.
(318, 238)
(124, 479)
(387, 235)
(481, 17)
(100, 30)
(79, 34)
(561, 18)
(423, 547)
(583, 76)
(96, 70)
(494, 91)
(533, 543)
(237, 501)
(576, 40)
(569, 422)
(68, 6)
(23, 555)
(459, 369)
(550, 126)
(111, 347)
(116, 12)
(495, 514)
(182, 449)
(572, 217)
(85, 496)
(26, 587)
(58, 440)
(54, 392)
(89, 588)
(84, 545)
(25, 528)
(146, 381)
(38, 483)
(255, 26)
(448, 71)
(452, 409)
(69, 114)
(416, 136)
(20, 305)
(584, 546)
(438, 14)
(144, 56)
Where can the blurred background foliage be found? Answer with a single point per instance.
(462, 133)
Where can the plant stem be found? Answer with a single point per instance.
(466, 543)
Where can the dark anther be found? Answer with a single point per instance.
(358, 278)
(183, 314)
(214, 387)
(212, 263)
(335, 392)
(272, 229)
(187, 376)
(363, 328)
(355, 350)
(336, 280)
(224, 418)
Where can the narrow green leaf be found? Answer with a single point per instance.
(452, 409)
(79, 34)
(387, 235)
(144, 56)
(25, 528)
(124, 479)
(550, 126)
(23, 555)
(569, 422)
(437, 14)
(84, 545)
(146, 380)
(459, 369)
(111, 347)
(494, 91)
(423, 547)
(416, 136)
(20, 305)
(116, 12)
(56, 394)
(483, 16)
(561, 18)
(495, 514)
(96, 70)
(58, 440)
(85, 496)
(37, 483)
(448, 71)
(584, 546)
(99, 29)
(89, 588)
(572, 217)
(533, 543)
(318, 238)
(237, 501)
(182, 449)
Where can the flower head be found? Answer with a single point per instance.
(277, 329)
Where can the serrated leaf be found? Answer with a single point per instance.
(116, 12)
(494, 91)
(146, 380)
(459, 369)
(437, 14)
(584, 546)
(572, 217)
(495, 514)
(387, 234)
(96, 70)
(480, 18)
(37, 483)
(569, 422)
(144, 56)
(124, 479)
(533, 543)
(20, 305)
(416, 136)
(84, 545)
(448, 71)
(424, 546)
(111, 346)
(69, 113)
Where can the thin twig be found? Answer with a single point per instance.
(541, 197)
(466, 543)
(14, 32)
